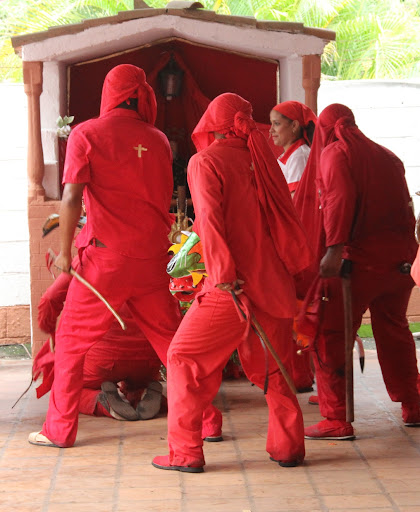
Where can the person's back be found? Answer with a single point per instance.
(381, 216)
(128, 168)
(121, 165)
(243, 212)
(270, 288)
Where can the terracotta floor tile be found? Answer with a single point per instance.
(221, 477)
(342, 475)
(150, 493)
(83, 493)
(80, 507)
(25, 482)
(280, 491)
(354, 487)
(109, 469)
(214, 505)
(361, 502)
(401, 484)
(93, 482)
(71, 472)
(198, 492)
(306, 504)
(410, 463)
(149, 506)
(21, 500)
(380, 509)
(404, 499)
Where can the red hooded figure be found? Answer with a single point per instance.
(121, 164)
(358, 208)
(252, 243)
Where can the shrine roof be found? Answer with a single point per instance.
(182, 9)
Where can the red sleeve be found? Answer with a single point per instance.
(338, 196)
(207, 195)
(76, 166)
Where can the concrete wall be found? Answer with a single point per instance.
(14, 236)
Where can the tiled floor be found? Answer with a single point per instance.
(109, 469)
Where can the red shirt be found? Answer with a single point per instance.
(233, 228)
(126, 166)
(366, 205)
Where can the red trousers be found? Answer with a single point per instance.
(144, 286)
(136, 374)
(209, 333)
(302, 374)
(386, 296)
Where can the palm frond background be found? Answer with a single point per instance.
(375, 39)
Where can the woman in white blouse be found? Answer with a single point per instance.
(292, 128)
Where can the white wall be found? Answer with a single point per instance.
(388, 112)
(14, 236)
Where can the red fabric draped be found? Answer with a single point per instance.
(193, 101)
(307, 204)
(128, 81)
(378, 234)
(231, 115)
(378, 228)
(297, 111)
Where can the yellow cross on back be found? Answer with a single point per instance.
(139, 149)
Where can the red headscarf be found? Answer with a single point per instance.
(231, 115)
(299, 112)
(128, 81)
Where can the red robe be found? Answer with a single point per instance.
(233, 200)
(366, 206)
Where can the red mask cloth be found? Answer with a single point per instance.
(299, 112)
(230, 115)
(127, 81)
(350, 177)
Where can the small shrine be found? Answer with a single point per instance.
(190, 55)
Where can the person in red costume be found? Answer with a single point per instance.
(252, 243)
(292, 128)
(366, 218)
(121, 165)
(124, 357)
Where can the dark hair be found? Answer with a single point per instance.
(309, 129)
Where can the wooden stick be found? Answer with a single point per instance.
(348, 344)
(270, 347)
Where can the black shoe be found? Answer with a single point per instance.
(114, 404)
(305, 390)
(287, 464)
(149, 405)
(213, 439)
